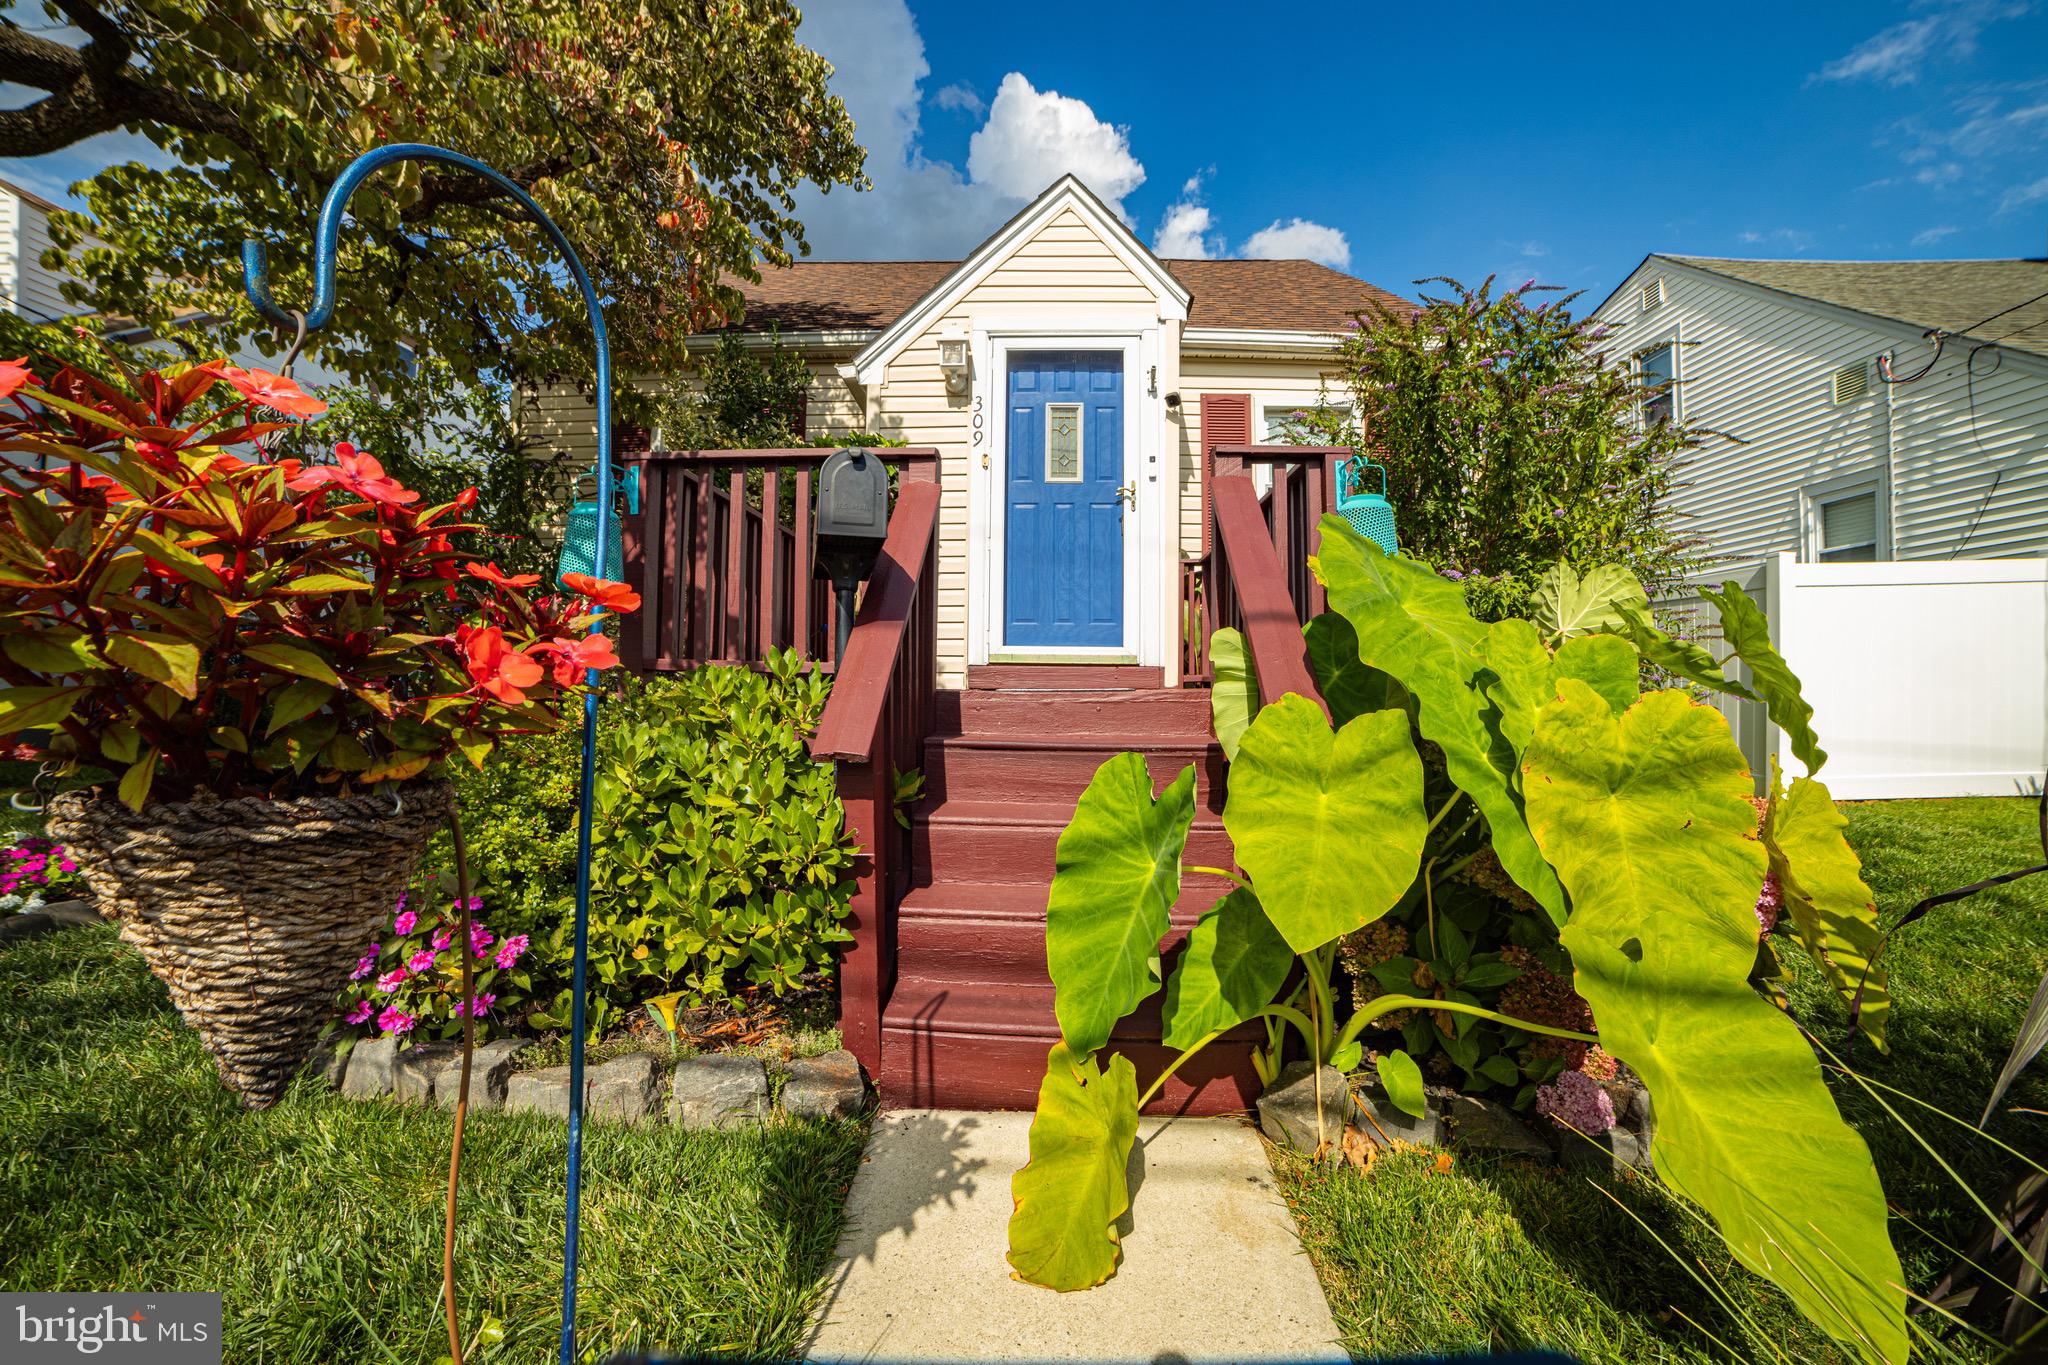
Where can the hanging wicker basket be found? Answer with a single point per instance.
(251, 911)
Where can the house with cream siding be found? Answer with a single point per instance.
(1074, 386)
(1860, 410)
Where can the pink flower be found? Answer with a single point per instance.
(361, 1012)
(391, 980)
(421, 961)
(395, 1020)
(481, 1003)
(1769, 902)
(357, 473)
(403, 925)
(480, 939)
(442, 939)
(365, 964)
(510, 949)
(1576, 1100)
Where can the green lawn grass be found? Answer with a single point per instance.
(124, 1165)
(1497, 1254)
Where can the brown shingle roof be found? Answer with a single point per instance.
(857, 295)
(2003, 301)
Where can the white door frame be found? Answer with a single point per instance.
(1147, 526)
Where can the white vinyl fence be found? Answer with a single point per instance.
(1927, 678)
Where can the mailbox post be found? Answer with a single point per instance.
(851, 524)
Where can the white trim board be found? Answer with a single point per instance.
(1151, 542)
(1065, 193)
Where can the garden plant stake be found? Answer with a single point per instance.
(324, 263)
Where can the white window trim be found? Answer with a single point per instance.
(1264, 404)
(1635, 368)
(1816, 495)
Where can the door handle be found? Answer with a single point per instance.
(1128, 495)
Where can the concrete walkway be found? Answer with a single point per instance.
(1211, 1270)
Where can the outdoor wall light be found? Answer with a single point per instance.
(953, 361)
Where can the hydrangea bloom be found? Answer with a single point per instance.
(1576, 1101)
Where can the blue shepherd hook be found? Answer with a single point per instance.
(256, 281)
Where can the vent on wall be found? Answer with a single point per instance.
(1653, 295)
(1851, 383)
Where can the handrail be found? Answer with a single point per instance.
(852, 719)
(1249, 571)
(920, 463)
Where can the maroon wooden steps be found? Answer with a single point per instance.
(970, 1018)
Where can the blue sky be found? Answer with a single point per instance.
(1432, 139)
(1460, 139)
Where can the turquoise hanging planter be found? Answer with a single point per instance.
(579, 536)
(1370, 514)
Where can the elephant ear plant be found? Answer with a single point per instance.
(1622, 816)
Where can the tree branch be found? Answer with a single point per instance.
(94, 90)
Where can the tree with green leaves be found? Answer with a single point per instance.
(666, 137)
(1510, 442)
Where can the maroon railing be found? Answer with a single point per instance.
(873, 729)
(721, 554)
(1215, 589)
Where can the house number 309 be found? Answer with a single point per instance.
(979, 421)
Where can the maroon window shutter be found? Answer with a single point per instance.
(1226, 421)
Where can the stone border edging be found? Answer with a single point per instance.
(715, 1091)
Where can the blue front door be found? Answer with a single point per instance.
(1063, 537)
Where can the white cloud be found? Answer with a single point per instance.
(1899, 55)
(1792, 239)
(921, 207)
(1184, 230)
(959, 97)
(1299, 239)
(2019, 196)
(1929, 236)
(1033, 137)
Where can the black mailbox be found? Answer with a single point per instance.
(852, 521)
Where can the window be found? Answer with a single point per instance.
(1063, 443)
(1282, 422)
(1847, 528)
(1657, 373)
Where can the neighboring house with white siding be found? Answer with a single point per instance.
(26, 288)
(1864, 410)
(1070, 379)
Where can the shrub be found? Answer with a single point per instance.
(1510, 443)
(720, 854)
(35, 870)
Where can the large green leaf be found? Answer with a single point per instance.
(1349, 686)
(1749, 635)
(1413, 626)
(1680, 658)
(1233, 689)
(1606, 663)
(1519, 677)
(1234, 964)
(1567, 605)
(158, 657)
(1071, 1193)
(1647, 819)
(1833, 912)
(1328, 825)
(1116, 875)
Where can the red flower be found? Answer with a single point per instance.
(573, 656)
(359, 474)
(272, 391)
(611, 596)
(491, 573)
(494, 666)
(14, 374)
